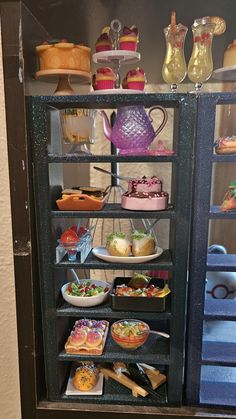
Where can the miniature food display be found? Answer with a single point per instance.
(118, 244)
(145, 194)
(229, 201)
(86, 376)
(86, 289)
(130, 333)
(143, 243)
(87, 337)
(63, 55)
(135, 79)
(104, 79)
(129, 38)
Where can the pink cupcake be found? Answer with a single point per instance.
(129, 39)
(105, 79)
(103, 43)
(136, 79)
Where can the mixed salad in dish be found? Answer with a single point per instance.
(149, 292)
(138, 286)
(85, 289)
(129, 328)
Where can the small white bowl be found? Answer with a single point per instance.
(86, 301)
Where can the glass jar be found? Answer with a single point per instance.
(200, 65)
(78, 128)
(174, 66)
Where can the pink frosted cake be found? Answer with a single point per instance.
(145, 194)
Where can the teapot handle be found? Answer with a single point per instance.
(164, 121)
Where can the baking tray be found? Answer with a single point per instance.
(80, 202)
(137, 303)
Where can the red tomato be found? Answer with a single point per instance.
(69, 236)
(74, 228)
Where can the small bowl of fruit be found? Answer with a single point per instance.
(86, 293)
(130, 333)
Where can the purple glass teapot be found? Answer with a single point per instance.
(132, 131)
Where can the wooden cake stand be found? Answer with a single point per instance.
(63, 76)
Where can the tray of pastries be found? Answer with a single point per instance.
(87, 337)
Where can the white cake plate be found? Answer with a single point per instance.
(116, 92)
(63, 77)
(225, 73)
(105, 57)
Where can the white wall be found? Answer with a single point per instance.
(9, 383)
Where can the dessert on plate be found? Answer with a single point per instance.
(143, 243)
(135, 79)
(229, 201)
(145, 194)
(87, 337)
(86, 376)
(63, 55)
(226, 145)
(129, 38)
(104, 79)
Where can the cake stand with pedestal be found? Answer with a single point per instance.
(63, 76)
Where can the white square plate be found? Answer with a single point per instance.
(72, 391)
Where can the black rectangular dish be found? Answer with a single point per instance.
(120, 303)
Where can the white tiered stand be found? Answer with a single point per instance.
(116, 58)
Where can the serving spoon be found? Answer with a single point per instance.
(112, 174)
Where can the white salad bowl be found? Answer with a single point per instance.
(86, 301)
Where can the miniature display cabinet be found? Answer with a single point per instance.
(211, 361)
(58, 317)
(186, 353)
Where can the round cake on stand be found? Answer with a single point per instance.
(63, 61)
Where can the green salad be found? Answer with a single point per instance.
(86, 289)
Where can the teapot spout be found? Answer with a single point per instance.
(106, 125)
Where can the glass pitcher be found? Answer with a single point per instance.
(174, 66)
(200, 65)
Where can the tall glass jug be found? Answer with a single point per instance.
(200, 65)
(174, 66)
